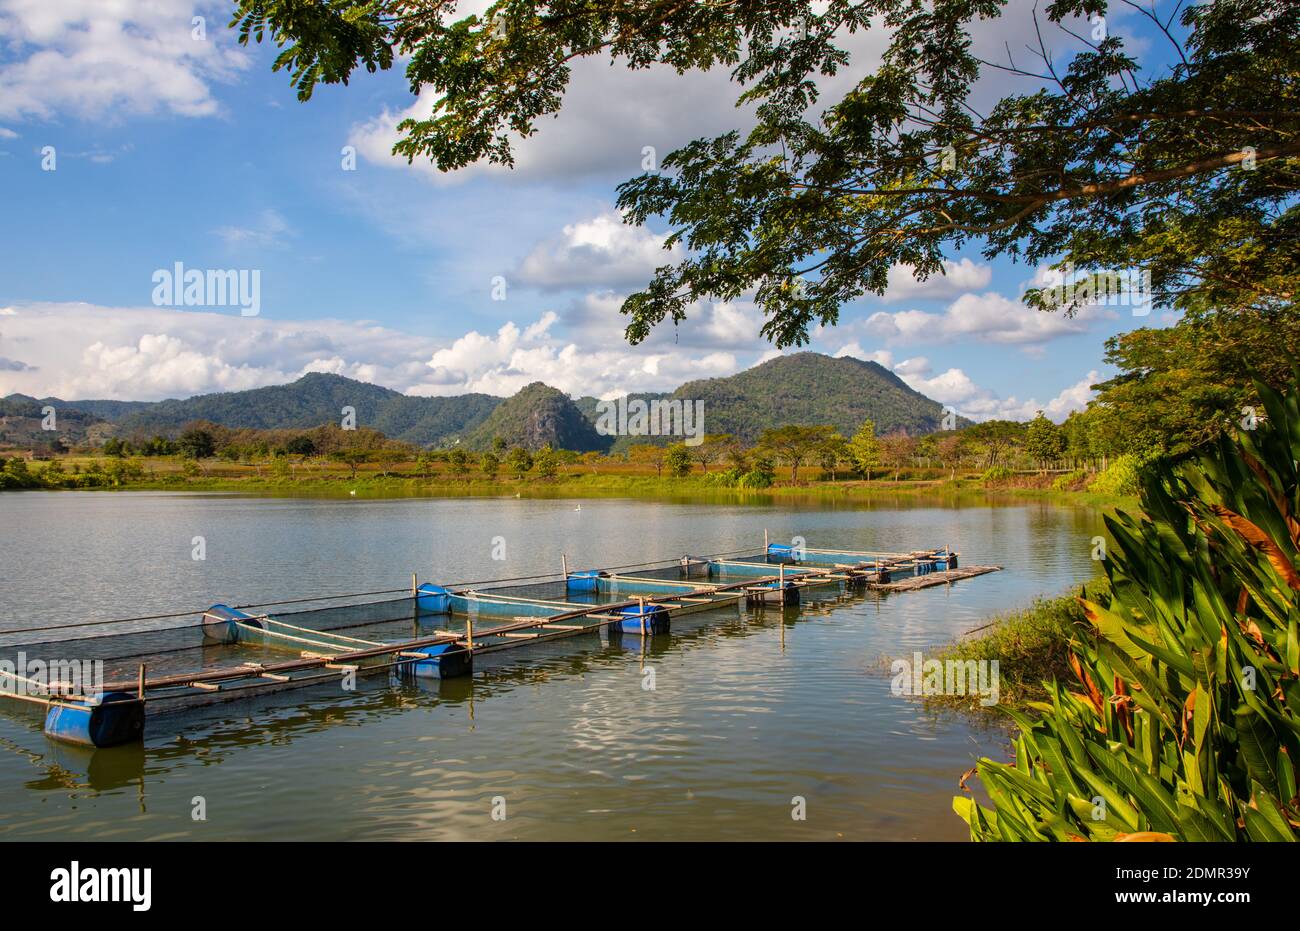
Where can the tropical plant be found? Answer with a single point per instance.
(1123, 477)
(1186, 721)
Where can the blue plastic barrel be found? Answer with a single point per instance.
(221, 624)
(641, 619)
(446, 661)
(432, 599)
(116, 718)
(781, 552)
(586, 581)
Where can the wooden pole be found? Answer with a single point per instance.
(564, 565)
(140, 682)
(781, 582)
(415, 585)
(469, 632)
(765, 543)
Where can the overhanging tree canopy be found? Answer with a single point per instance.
(1187, 170)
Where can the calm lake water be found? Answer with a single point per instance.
(747, 711)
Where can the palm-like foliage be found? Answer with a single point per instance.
(1185, 724)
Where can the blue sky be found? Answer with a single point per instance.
(169, 148)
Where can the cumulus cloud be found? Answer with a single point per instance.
(954, 388)
(79, 351)
(879, 356)
(732, 326)
(602, 252)
(503, 362)
(95, 59)
(611, 117)
(956, 278)
(989, 317)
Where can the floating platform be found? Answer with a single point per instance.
(428, 632)
(939, 577)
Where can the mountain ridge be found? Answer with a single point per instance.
(805, 388)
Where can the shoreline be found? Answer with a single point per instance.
(954, 492)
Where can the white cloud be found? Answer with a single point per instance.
(78, 351)
(610, 115)
(506, 361)
(954, 388)
(989, 317)
(601, 252)
(7, 133)
(733, 326)
(854, 349)
(956, 278)
(96, 59)
(268, 231)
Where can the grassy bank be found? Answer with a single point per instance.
(334, 480)
(1031, 646)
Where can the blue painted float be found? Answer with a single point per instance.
(221, 624)
(645, 620)
(446, 661)
(106, 721)
(586, 581)
(432, 599)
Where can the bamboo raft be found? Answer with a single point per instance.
(440, 630)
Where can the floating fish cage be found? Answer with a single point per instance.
(99, 682)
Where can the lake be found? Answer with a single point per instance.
(747, 711)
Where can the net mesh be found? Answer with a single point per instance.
(177, 644)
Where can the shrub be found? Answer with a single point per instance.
(1123, 476)
(727, 478)
(755, 478)
(1185, 720)
(1071, 481)
(996, 474)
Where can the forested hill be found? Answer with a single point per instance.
(535, 417)
(811, 388)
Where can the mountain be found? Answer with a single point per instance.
(804, 388)
(811, 388)
(22, 423)
(314, 399)
(104, 410)
(534, 417)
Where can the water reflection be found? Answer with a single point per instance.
(748, 709)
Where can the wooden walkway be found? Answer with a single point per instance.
(932, 578)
